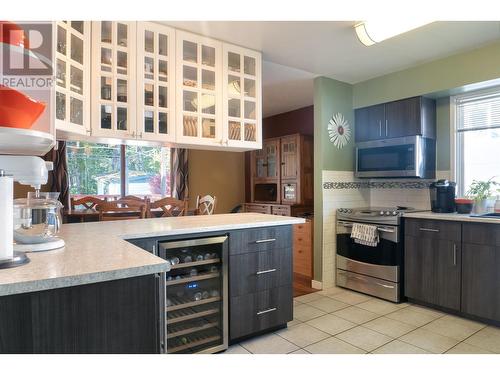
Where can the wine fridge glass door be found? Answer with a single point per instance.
(197, 312)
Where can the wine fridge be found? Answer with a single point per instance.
(196, 295)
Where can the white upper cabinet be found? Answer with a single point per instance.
(155, 82)
(114, 79)
(198, 91)
(73, 76)
(147, 81)
(242, 101)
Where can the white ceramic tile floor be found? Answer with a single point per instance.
(338, 321)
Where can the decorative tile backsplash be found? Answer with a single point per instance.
(424, 184)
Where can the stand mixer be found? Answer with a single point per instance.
(26, 170)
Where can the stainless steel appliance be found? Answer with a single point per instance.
(442, 196)
(413, 156)
(196, 295)
(377, 271)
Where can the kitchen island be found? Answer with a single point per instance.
(101, 293)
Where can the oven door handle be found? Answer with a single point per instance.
(380, 229)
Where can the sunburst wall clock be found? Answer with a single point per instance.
(339, 130)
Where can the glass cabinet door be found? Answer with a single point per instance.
(242, 96)
(198, 71)
(260, 164)
(73, 76)
(155, 82)
(113, 90)
(272, 159)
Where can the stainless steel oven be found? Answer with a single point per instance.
(413, 156)
(375, 270)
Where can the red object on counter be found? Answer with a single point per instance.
(464, 201)
(9, 34)
(18, 110)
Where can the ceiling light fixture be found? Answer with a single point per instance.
(371, 32)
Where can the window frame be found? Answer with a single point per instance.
(457, 141)
(123, 168)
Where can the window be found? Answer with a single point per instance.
(96, 169)
(477, 137)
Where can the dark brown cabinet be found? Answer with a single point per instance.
(260, 280)
(481, 270)
(369, 122)
(114, 317)
(400, 118)
(282, 172)
(433, 262)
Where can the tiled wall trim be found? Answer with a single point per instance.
(378, 185)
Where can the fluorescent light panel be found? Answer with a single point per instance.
(371, 32)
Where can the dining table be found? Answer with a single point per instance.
(82, 215)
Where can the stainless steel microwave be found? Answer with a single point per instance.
(405, 157)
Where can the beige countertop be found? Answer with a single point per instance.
(450, 217)
(98, 252)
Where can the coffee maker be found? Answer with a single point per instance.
(442, 196)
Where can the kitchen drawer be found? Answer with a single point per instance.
(303, 249)
(258, 208)
(260, 239)
(481, 234)
(281, 210)
(252, 313)
(439, 229)
(261, 270)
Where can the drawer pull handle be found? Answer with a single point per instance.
(266, 311)
(266, 271)
(429, 230)
(454, 254)
(267, 240)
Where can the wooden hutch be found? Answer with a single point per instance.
(281, 183)
(282, 176)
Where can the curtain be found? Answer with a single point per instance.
(179, 180)
(59, 175)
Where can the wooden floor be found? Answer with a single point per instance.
(302, 285)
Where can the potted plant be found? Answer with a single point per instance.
(482, 192)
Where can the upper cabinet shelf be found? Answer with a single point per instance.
(146, 81)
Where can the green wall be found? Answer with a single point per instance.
(330, 97)
(439, 76)
(443, 134)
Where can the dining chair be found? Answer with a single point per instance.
(121, 209)
(170, 207)
(205, 205)
(134, 198)
(89, 202)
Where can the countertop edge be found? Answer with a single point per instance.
(450, 217)
(76, 280)
(209, 229)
